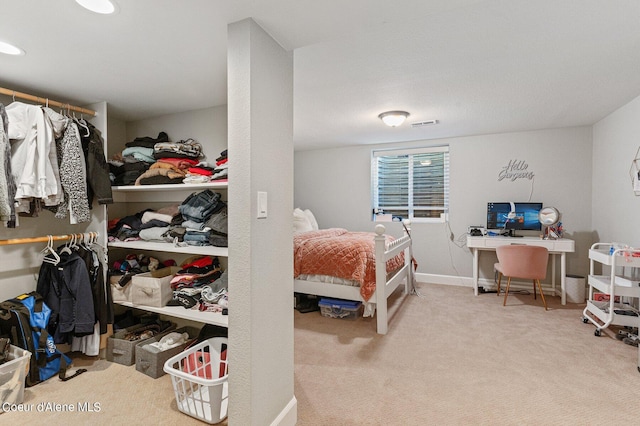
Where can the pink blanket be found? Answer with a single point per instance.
(340, 253)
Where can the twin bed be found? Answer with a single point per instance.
(359, 266)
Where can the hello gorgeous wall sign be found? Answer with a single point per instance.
(516, 169)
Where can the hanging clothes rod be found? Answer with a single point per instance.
(47, 238)
(47, 101)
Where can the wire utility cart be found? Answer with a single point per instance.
(613, 297)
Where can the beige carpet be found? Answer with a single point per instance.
(124, 395)
(451, 358)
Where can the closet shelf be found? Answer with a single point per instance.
(170, 187)
(168, 247)
(214, 318)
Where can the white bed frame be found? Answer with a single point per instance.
(384, 287)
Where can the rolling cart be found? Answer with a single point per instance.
(613, 297)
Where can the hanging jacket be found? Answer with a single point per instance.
(97, 167)
(7, 184)
(73, 170)
(66, 289)
(33, 164)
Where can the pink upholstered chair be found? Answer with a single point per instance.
(522, 261)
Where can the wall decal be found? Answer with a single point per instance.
(634, 172)
(516, 169)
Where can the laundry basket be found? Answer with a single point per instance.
(12, 376)
(199, 378)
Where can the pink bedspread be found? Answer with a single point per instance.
(340, 253)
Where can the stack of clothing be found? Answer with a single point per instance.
(200, 281)
(155, 161)
(134, 160)
(221, 171)
(173, 160)
(148, 225)
(205, 219)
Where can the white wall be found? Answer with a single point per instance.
(616, 210)
(335, 185)
(207, 126)
(260, 93)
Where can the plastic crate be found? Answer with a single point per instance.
(199, 378)
(337, 308)
(12, 376)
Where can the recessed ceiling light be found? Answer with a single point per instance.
(10, 49)
(104, 7)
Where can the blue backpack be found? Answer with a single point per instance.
(24, 320)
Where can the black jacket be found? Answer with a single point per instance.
(66, 289)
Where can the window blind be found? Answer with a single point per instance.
(411, 183)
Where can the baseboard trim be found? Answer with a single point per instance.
(289, 414)
(444, 279)
(486, 283)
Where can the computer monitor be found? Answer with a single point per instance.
(514, 216)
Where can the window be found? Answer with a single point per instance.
(411, 183)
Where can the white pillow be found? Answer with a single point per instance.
(301, 222)
(312, 219)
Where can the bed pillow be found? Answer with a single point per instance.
(312, 219)
(301, 222)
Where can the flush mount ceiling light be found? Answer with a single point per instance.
(393, 118)
(10, 49)
(104, 7)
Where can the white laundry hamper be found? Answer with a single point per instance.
(199, 378)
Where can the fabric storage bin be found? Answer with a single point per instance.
(150, 362)
(153, 288)
(122, 351)
(12, 376)
(337, 308)
(120, 293)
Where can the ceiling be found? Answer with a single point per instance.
(476, 66)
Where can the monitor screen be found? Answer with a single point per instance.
(524, 216)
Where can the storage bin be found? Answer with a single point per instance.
(199, 378)
(123, 351)
(576, 289)
(153, 288)
(12, 376)
(150, 362)
(120, 293)
(337, 308)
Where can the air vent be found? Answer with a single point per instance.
(424, 123)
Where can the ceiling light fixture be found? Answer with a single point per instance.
(393, 118)
(103, 7)
(10, 49)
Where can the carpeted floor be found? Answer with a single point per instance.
(450, 358)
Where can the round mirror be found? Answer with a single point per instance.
(549, 216)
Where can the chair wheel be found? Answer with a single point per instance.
(597, 333)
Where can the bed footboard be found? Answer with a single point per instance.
(385, 287)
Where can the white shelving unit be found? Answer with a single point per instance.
(621, 283)
(162, 193)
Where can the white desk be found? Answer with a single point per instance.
(555, 247)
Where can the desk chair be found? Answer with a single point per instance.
(522, 261)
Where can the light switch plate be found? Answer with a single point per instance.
(262, 205)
